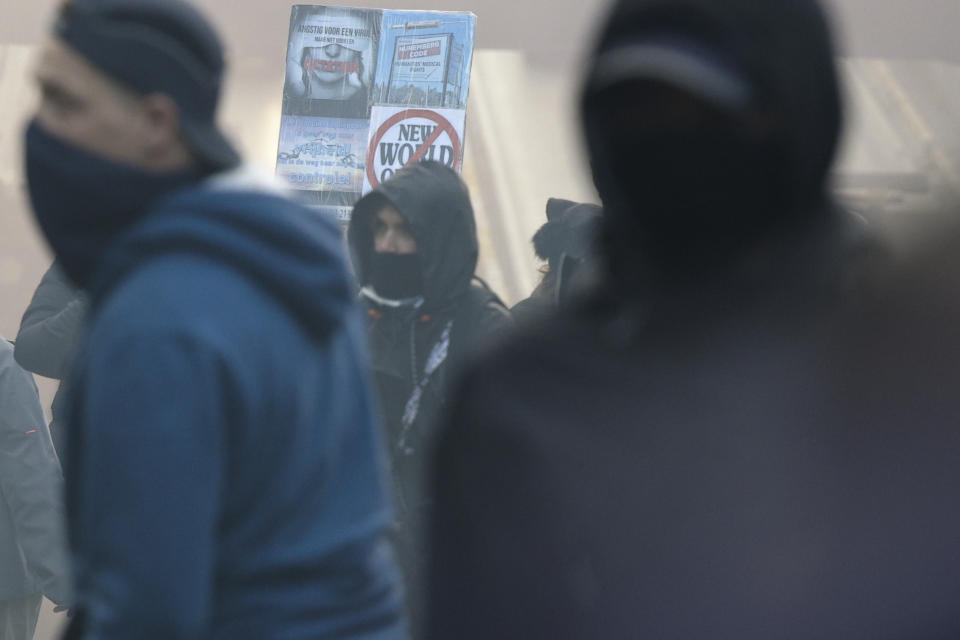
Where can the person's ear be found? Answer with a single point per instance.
(161, 128)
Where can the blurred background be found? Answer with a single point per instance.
(901, 65)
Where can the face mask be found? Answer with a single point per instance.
(690, 199)
(396, 276)
(83, 202)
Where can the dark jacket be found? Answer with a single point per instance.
(436, 204)
(711, 459)
(754, 477)
(49, 334)
(33, 548)
(225, 473)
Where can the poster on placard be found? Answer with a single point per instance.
(349, 74)
(331, 61)
(401, 136)
(322, 154)
(425, 59)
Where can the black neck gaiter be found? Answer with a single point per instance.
(396, 276)
(83, 203)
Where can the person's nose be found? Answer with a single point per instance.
(388, 242)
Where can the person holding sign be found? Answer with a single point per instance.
(413, 242)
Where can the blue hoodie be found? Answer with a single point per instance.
(224, 469)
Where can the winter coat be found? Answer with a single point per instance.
(779, 472)
(225, 477)
(711, 459)
(33, 548)
(457, 316)
(49, 334)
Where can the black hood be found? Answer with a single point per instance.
(781, 48)
(570, 230)
(436, 204)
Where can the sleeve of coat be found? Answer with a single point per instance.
(149, 471)
(490, 533)
(31, 483)
(51, 326)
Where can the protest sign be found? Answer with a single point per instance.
(322, 154)
(425, 59)
(403, 136)
(368, 91)
(331, 58)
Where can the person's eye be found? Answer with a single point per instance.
(60, 100)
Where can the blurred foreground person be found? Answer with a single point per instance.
(33, 551)
(712, 463)
(49, 335)
(413, 241)
(565, 243)
(224, 473)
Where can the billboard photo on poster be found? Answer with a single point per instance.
(420, 59)
(425, 59)
(331, 59)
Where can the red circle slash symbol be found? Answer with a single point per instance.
(443, 126)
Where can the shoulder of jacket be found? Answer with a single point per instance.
(6, 353)
(482, 315)
(481, 296)
(180, 308)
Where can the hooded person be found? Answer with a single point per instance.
(566, 244)
(225, 474)
(33, 549)
(678, 456)
(413, 241)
